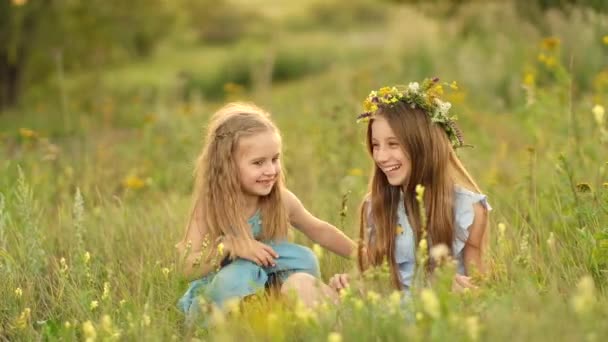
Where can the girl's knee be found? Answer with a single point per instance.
(299, 283)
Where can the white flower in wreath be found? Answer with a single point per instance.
(413, 87)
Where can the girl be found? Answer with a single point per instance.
(411, 137)
(235, 241)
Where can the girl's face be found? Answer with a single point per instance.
(257, 159)
(388, 153)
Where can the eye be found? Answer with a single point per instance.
(393, 144)
(375, 145)
(258, 162)
(275, 159)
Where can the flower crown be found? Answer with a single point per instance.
(425, 97)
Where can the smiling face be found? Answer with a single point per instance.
(388, 153)
(257, 159)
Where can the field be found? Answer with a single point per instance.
(96, 172)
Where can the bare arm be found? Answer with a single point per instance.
(317, 230)
(475, 246)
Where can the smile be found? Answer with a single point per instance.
(391, 168)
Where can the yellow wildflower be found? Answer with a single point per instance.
(355, 172)
(583, 299)
(86, 257)
(438, 89)
(551, 240)
(423, 244)
(384, 91)
(88, 329)
(419, 193)
(67, 324)
(133, 182)
(501, 229)
(302, 312)
(94, 305)
(369, 106)
(430, 303)
(334, 337)
(454, 85)
(529, 79)
(146, 320)
(542, 58)
(318, 251)
(18, 292)
(106, 291)
(106, 323)
(550, 43)
(166, 271)
(394, 299)
(373, 296)
(551, 62)
(473, 327)
(63, 266)
(233, 305)
(23, 319)
(605, 39)
(598, 113)
(27, 133)
(419, 316)
(19, 2)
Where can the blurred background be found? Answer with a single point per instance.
(103, 106)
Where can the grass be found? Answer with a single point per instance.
(93, 195)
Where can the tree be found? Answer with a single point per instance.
(35, 34)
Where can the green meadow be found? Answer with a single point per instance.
(96, 169)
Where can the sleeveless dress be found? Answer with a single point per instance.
(240, 277)
(405, 244)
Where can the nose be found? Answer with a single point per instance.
(271, 170)
(380, 155)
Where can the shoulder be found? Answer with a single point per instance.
(470, 208)
(290, 200)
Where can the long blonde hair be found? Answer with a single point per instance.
(218, 203)
(434, 166)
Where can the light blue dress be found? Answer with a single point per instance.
(242, 277)
(405, 245)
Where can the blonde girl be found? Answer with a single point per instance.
(236, 239)
(411, 138)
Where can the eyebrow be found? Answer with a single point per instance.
(264, 157)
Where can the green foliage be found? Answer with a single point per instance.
(93, 200)
(39, 38)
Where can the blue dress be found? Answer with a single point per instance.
(241, 277)
(405, 244)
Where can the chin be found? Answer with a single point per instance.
(396, 181)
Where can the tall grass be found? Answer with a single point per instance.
(89, 212)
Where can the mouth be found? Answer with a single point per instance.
(266, 182)
(391, 168)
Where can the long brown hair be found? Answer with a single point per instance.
(218, 203)
(434, 166)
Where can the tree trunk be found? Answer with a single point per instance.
(9, 81)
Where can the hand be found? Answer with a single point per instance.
(462, 282)
(339, 282)
(260, 253)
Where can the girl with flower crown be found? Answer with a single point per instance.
(411, 138)
(235, 241)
